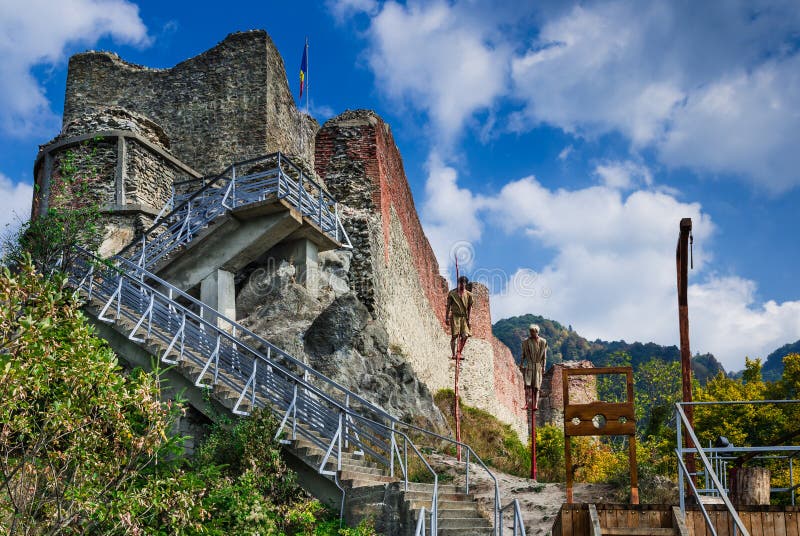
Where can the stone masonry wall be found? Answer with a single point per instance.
(583, 389)
(395, 272)
(148, 177)
(229, 103)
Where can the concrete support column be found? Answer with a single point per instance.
(302, 253)
(219, 291)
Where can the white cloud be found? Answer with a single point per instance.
(565, 152)
(624, 175)
(613, 272)
(343, 9)
(15, 203)
(714, 88)
(39, 33)
(437, 57)
(746, 123)
(450, 215)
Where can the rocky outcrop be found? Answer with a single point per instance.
(395, 273)
(332, 330)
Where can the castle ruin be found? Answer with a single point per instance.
(378, 306)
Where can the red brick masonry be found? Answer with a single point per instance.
(367, 142)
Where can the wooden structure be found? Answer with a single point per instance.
(655, 519)
(682, 267)
(749, 486)
(600, 419)
(619, 519)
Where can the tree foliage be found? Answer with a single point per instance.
(72, 217)
(74, 431)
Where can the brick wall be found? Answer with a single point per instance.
(357, 158)
(395, 271)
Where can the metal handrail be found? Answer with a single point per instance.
(420, 530)
(519, 525)
(680, 418)
(207, 312)
(226, 191)
(343, 431)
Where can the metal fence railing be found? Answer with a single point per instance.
(256, 373)
(196, 203)
(684, 476)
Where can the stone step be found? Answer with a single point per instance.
(473, 531)
(365, 477)
(427, 496)
(311, 453)
(455, 514)
(443, 488)
(463, 523)
(462, 506)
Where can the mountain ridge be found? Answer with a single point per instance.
(566, 344)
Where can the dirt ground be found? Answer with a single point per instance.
(539, 502)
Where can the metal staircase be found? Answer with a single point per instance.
(343, 436)
(196, 204)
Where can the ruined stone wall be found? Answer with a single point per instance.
(583, 389)
(395, 272)
(98, 168)
(227, 104)
(357, 158)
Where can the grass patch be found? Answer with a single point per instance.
(495, 442)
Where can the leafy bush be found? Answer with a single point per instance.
(74, 431)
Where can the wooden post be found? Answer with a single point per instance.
(533, 406)
(749, 486)
(457, 407)
(682, 265)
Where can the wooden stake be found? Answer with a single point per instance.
(682, 264)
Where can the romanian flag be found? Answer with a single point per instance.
(303, 69)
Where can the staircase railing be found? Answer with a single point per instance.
(201, 335)
(420, 530)
(519, 525)
(682, 422)
(255, 379)
(243, 183)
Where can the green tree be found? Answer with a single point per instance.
(74, 431)
(72, 218)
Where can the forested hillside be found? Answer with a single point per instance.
(773, 366)
(566, 345)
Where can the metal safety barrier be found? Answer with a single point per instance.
(519, 525)
(254, 371)
(235, 360)
(192, 209)
(684, 475)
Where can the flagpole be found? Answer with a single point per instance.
(308, 81)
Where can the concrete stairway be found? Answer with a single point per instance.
(366, 484)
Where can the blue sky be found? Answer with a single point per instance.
(553, 146)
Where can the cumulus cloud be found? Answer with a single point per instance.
(437, 56)
(624, 175)
(613, 275)
(15, 203)
(38, 33)
(450, 215)
(710, 87)
(613, 272)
